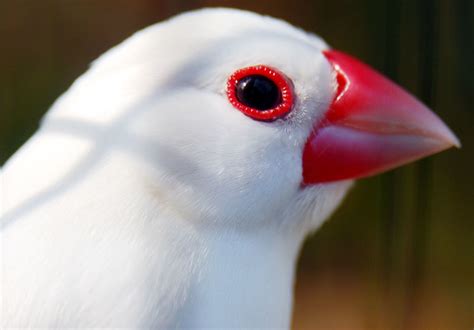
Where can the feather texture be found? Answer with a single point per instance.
(146, 200)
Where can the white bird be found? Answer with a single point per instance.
(173, 184)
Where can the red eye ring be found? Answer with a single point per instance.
(280, 80)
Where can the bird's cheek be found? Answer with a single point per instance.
(372, 126)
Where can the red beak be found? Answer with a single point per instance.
(371, 126)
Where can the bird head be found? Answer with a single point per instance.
(241, 120)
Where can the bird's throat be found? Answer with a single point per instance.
(246, 281)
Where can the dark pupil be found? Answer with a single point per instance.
(258, 92)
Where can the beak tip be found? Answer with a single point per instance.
(448, 138)
(455, 142)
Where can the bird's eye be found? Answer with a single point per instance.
(260, 92)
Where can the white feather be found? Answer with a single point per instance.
(146, 200)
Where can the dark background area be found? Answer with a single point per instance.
(399, 253)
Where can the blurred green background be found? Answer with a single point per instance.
(399, 253)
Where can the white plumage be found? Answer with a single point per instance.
(146, 200)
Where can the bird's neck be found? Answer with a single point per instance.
(246, 281)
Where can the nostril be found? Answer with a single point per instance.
(342, 83)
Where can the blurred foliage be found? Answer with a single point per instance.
(399, 253)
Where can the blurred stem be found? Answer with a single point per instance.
(428, 60)
(389, 181)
